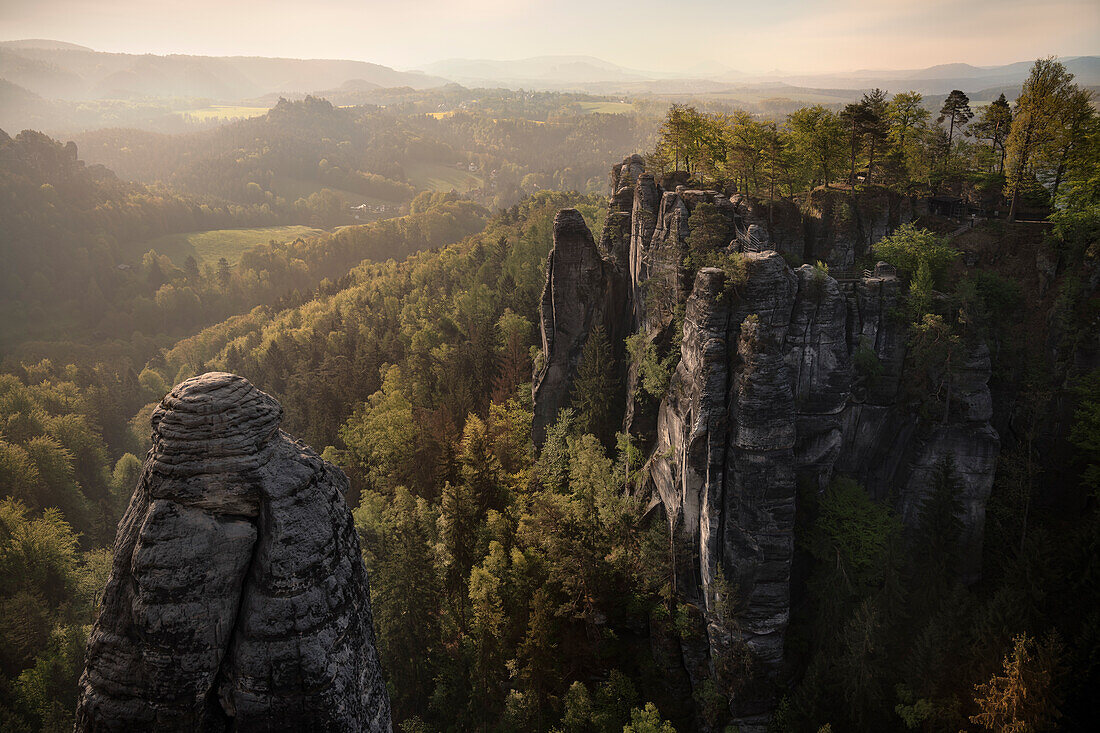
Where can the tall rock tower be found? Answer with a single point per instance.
(238, 597)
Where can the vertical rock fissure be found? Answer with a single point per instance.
(222, 680)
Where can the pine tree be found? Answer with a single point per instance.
(956, 109)
(594, 389)
(875, 127)
(855, 118)
(936, 539)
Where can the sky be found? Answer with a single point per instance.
(659, 35)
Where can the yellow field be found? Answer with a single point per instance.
(608, 108)
(212, 245)
(223, 112)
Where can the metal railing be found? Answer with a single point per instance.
(748, 243)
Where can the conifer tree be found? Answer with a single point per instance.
(936, 539)
(956, 110)
(1025, 697)
(876, 127)
(594, 389)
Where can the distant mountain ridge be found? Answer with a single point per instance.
(57, 70)
(591, 74)
(538, 70)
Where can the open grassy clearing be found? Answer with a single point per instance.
(608, 108)
(210, 246)
(442, 178)
(293, 189)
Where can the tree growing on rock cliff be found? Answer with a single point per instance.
(866, 125)
(993, 125)
(710, 233)
(908, 248)
(1046, 93)
(817, 137)
(689, 139)
(876, 130)
(745, 151)
(776, 159)
(907, 117)
(595, 386)
(855, 118)
(1070, 136)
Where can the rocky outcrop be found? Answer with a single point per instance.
(838, 226)
(616, 239)
(659, 282)
(643, 222)
(723, 466)
(238, 598)
(819, 365)
(583, 291)
(784, 379)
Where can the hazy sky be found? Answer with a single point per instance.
(760, 35)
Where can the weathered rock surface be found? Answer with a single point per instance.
(786, 378)
(820, 369)
(583, 290)
(238, 598)
(724, 461)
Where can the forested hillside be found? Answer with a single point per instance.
(78, 272)
(499, 150)
(516, 401)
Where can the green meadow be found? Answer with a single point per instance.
(210, 246)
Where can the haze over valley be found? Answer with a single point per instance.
(511, 366)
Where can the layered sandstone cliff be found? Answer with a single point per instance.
(768, 393)
(238, 598)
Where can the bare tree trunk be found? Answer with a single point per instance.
(1020, 168)
(1057, 181)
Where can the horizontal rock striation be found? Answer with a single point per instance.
(238, 598)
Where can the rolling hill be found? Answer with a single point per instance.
(56, 70)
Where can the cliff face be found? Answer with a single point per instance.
(584, 290)
(772, 390)
(238, 597)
